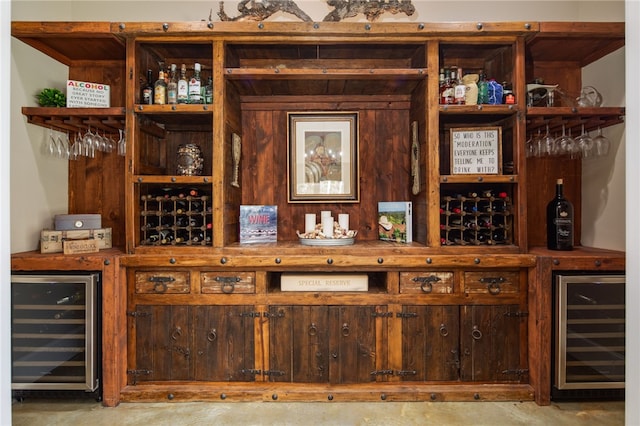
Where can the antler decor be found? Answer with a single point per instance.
(259, 10)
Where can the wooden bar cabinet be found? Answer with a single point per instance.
(203, 317)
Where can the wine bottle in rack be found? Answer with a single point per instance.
(559, 221)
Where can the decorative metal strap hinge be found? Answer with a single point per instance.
(382, 314)
(140, 372)
(137, 314)
(516, 371)
(274, 373)
(279, 314)
(406, 373)
(516, 314)
(251, 371)
(381, 373)
(250, 314)
(406, 315)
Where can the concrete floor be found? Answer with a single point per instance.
(35, 412)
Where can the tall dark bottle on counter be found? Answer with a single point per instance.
(559, 221)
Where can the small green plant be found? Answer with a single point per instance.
(52, 98)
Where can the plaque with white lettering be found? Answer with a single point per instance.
(324, 282)
(476, 151)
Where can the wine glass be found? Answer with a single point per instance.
(545, 144)
(531, 146)
(122, 144)
(585, 144)
(602, 144)
(564, 144)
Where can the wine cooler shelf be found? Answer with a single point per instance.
(476, 219)
(179, 217)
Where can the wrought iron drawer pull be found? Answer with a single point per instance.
(228, 283)
(493, 284)
(160, 285)
(177, 332)
(427, 282)
(345, 329)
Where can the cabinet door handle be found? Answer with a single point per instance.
(228, 283)
(476, 333)
(177, 332)
(443, 330)
(345, 329)
(313, 329)
(213, 335)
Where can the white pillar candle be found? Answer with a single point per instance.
(309, 222)
(327, 226)
(325, 213)
(343, 221)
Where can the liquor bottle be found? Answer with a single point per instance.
(483, 89)
(459, 90)
(146, 92)
(172, 86)
(208, 91)
(195, 86)
(446, 91)
(183, 86)
(160, 90)
(559, 221)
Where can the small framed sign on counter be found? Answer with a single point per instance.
(476, 151)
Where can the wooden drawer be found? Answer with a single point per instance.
(426, 282)
(162, 282)
(228, 282)
(492, 282)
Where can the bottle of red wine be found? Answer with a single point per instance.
(559, 221)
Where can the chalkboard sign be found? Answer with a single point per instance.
(476, 151)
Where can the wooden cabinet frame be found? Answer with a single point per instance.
(252, 90)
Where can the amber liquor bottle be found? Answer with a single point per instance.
(559, 221)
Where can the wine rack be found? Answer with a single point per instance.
(477, 219)
(182, 217)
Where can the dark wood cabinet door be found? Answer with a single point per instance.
(491, 345)
(209, 343)
(430, 343)
(163, 343)
(322, 344)
(224, 343)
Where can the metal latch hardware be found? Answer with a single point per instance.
(406, 372)
(274, 373)
(381, 372)
(382, 314)
(137, 314)
(516, 371)
(250, 314)
(406, 315)
(251, 371)
(516, 314)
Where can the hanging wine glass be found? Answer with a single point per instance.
(585, 144)
(564, 144)
(602, 144)
(122, 144)
(545, 144)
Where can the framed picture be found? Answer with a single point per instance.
(476, 151)
(323, 157)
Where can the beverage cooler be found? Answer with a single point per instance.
(55, 344)
(588, 336)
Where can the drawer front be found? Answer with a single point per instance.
(492, 282)
(162, 282)
(228, 282)
(426, 282)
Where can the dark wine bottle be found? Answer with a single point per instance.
(559, 221)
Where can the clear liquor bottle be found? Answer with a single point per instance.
(195, 86)
(183, 86)
(172, 86)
